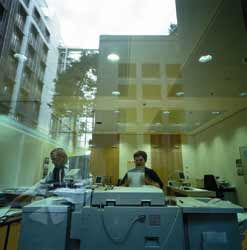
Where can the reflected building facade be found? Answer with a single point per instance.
(25, 45)
(13, 17)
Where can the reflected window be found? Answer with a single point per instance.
(150, 70)
(127, 70)
(173, 71)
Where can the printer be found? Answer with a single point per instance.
(130, 218)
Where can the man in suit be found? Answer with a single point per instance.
(59, 158)
(54, 179)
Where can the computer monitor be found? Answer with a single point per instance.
(80, 162)
(181, 175)
(98, 180)
(73, 175)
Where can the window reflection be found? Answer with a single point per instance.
(174, 86)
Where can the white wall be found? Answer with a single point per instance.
(215, 150)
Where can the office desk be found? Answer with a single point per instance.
(9, 228)
(190, 192)
(10, 217)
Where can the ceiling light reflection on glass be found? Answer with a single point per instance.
(216, 113)
(113, 57)
(180, 94)
(205, 59)
(115, 93)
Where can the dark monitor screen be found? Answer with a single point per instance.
(98, 180)
(181, 175)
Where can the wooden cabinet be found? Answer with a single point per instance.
(166, 155)
(3, 234)
(9, 233)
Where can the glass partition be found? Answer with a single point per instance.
(106, 79)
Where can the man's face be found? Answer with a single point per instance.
(139, 161)
(58, 159)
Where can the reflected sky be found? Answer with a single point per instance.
(82, 21)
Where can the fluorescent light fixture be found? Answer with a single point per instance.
(216, 113)
(115, 93)
(180, 93)
(113, 57)
(243, 94)
(166, 112)
(205, 59)
(116, 111)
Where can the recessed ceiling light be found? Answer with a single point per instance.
(113, 57)
(180, 93)
(166, 112)
(115, 93)
(205, 59)
(216, 113)
(243, 94)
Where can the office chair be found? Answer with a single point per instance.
(211, 184)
